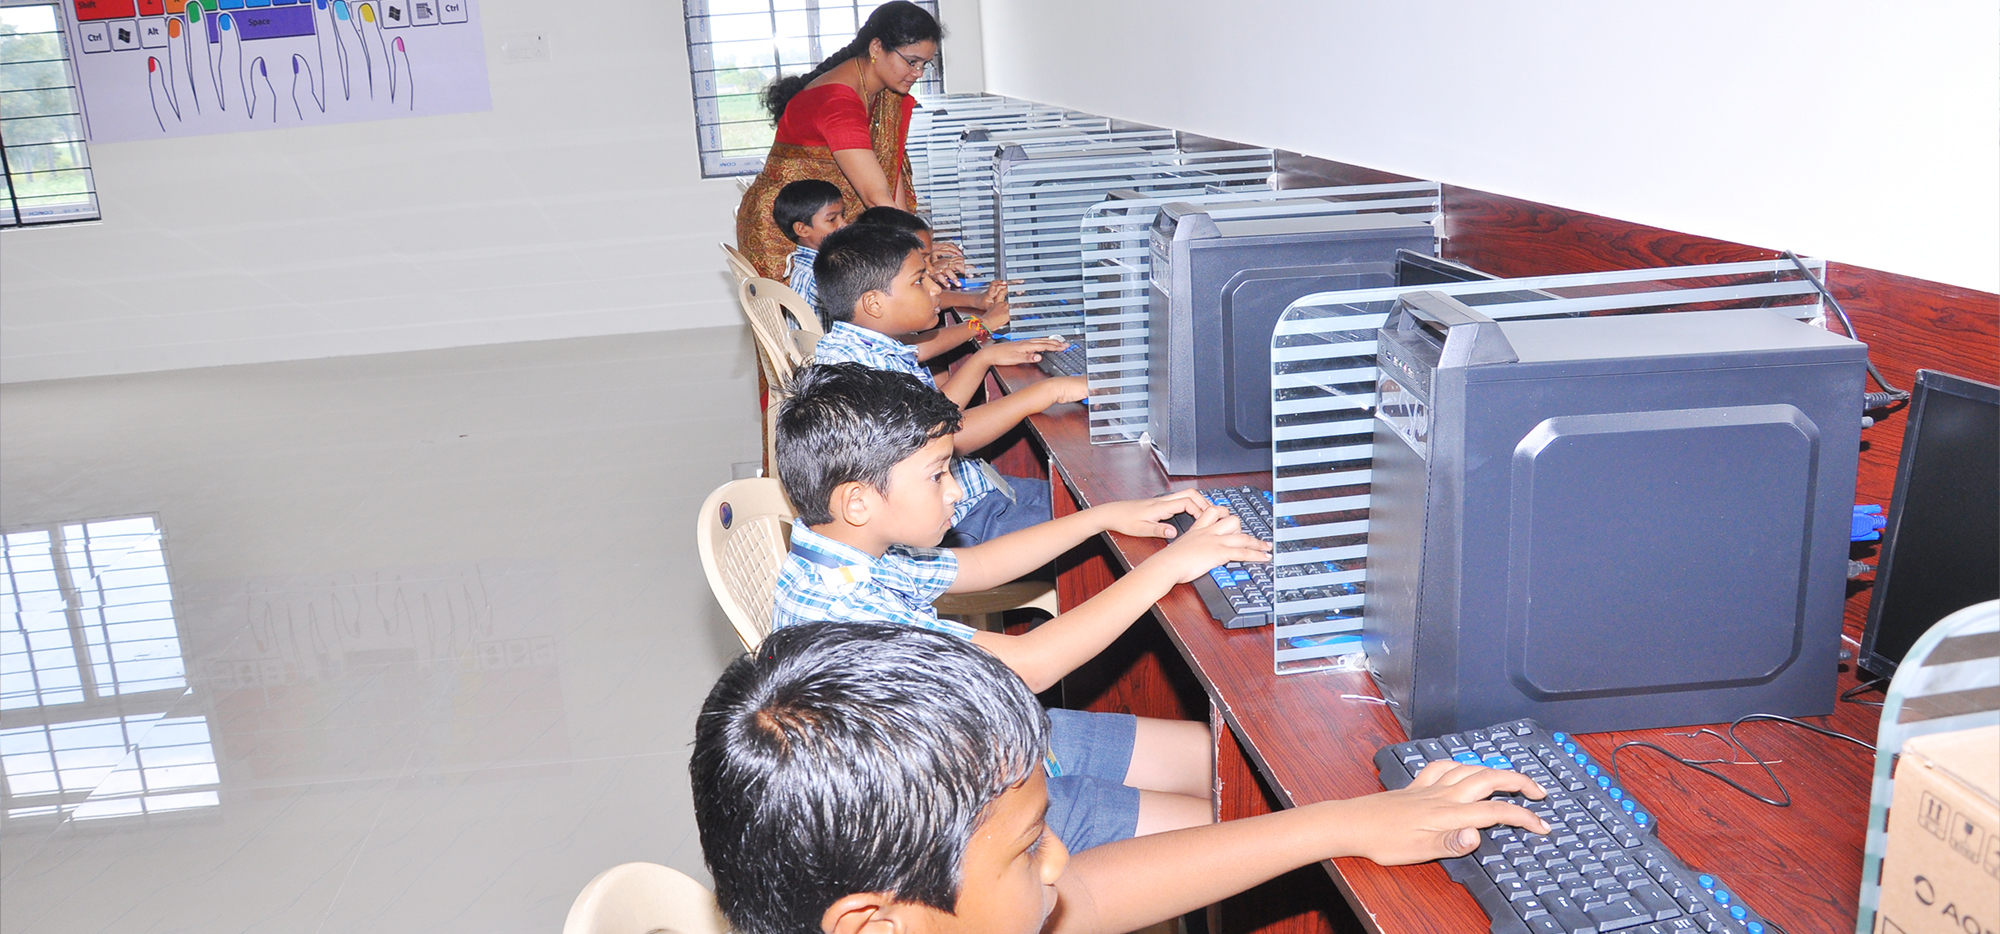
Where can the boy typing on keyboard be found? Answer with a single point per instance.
(876, 293)
(866, 779)
(864, 456)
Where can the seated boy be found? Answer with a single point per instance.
(987, 311)
(854, 779)
(875, 291)
(864, 456)
(806, 212)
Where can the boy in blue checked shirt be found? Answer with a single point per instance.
(864, 455)
(863, 779)
(806, 212)
(876, 293)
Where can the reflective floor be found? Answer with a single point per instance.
(409, 642)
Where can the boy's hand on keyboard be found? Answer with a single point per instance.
(1067, 388)
(1216, 538)
(1150, 518)
(1010, 353)
(1439, 814)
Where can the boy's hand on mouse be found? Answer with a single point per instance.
(1147, 518)
(1215, 538)
(1439, 814)
(1009, 353)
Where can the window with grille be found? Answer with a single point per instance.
(736, 47)
(44, 164)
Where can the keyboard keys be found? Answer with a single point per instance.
(1598, 869)
(1618, 915)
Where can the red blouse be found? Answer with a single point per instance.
(831, 115)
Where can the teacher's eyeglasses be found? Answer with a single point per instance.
(922, 65)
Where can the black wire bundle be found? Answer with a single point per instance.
(1729, 737)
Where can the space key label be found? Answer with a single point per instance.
(87, 10)
(276, 23)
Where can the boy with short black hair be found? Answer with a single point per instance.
(864, 456)
(806, 212)
(856, 778)
(876, 292)
(947, 266)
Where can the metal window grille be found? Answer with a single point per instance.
(737, 47)
(45, 175)
(1323, 404)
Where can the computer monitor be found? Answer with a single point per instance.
(1941, 548)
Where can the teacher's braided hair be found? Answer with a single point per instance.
(898, 23)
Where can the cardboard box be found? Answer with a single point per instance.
(1941, 868)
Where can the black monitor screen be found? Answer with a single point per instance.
(1941, 549)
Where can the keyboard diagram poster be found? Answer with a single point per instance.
(151, 69)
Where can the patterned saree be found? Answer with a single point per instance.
(757, 235)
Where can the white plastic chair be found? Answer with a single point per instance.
(743, 533)
(644, 898)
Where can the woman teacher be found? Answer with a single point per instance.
(845, 122)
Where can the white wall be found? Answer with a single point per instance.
(575, 207)
(1865, 133)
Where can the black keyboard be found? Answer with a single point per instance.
(1237, 594)
(1069, 361)
(1600, 869)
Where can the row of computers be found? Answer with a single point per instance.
(1598, 521)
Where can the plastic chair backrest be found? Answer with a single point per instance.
(743, 533)
(738, 263)
(803, 317)
(644, 898)
(758, 296)
(799, 323)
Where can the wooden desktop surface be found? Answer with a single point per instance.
(1300, 738)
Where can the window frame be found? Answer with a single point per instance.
(85, 207)
(720, 162)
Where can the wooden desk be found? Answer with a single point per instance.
(1310, 737)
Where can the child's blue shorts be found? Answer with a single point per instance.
(1089, 802)
(997, 514)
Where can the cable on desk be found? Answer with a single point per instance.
(1850, 694)
(1729, 737)
(1870, 400)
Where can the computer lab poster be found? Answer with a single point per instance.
(150, 69)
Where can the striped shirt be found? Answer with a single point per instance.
(848, 343)
(799, 275)
(825, 581)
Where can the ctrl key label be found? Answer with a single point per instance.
(96, 36)
(452, 11)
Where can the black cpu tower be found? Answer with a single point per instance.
(1608, 522)
(1217, 289)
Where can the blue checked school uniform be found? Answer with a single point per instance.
(823, 580)
(799, 275)
(826, 581)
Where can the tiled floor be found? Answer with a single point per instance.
(435, 639)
